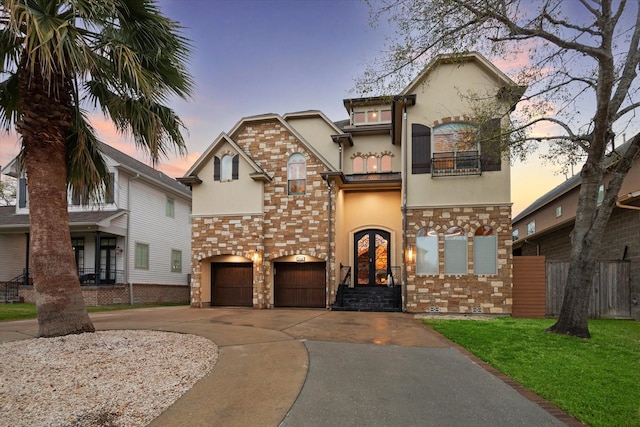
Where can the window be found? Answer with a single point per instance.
(372, 116)
(514, 234)
(372, 164)
(485, 251)
(226, 165)
(358, 165)
(455, 251)
(558, 211)
(226, 168)
(142, 256)
(454, 149)
(385, 163)
(170, 208)
(531, 227)
(600, 194)
(427, 251)
(176, 261)
(296, 174)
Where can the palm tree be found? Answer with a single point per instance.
(61, 57)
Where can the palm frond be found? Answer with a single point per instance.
(86, 167)
(9, 102)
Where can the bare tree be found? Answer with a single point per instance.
(579, 61)
(7, 191)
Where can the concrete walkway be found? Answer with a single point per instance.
(324, 368)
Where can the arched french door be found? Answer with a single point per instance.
(372, 249)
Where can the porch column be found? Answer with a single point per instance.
(96, 264)
(26, 268)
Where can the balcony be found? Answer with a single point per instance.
(452, 164)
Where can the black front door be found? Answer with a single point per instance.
(371, 256)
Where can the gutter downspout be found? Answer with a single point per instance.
(404, 203)
(329, 252)
(621, 206)
(126, 239)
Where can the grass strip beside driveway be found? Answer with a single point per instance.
(595, 380)
(17, 311)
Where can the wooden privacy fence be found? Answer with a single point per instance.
(538, 288)
(529, 287)
(610, 291)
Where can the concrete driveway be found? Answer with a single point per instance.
(324, 368)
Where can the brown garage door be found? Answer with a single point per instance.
(300, 284)
(232, 283)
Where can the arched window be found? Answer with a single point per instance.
(226, 167)
(455, 251)
(427, 251)
(296, 174)
(485, 251)
(358, 165)
(385, 163)
(372, 164)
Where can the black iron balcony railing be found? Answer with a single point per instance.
(460, 164)
(88, 276)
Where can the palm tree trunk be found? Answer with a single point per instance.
(44, 125)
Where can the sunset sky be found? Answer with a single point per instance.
(277, 56)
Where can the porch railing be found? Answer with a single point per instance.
(89, 277)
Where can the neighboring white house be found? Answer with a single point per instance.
(133, 247)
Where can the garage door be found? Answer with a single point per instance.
(300, 284)
(232, 284)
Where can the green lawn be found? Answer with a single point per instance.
(28, 311)
(595, 380)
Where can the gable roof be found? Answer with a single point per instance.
(258, 171)
(132, 165)
(565, 187)
(128, 163)
(223, 138)
(460, 58)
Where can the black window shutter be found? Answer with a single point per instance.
(110, 197)
(420, 149)
(216, 168)
(22, 193)
(491, 151)
(234, 166)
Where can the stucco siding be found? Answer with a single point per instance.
(317, 132)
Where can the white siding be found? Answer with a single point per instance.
(149, 225)
(12, 255)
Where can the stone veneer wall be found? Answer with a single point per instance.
(290, 225)
(489, 294)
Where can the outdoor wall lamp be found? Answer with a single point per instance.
(408, 255)
(118, 250)
(255, 256)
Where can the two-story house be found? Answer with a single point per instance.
(292, 210)
(132, 247)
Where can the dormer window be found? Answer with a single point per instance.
(372, 116)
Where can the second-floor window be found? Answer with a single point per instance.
(296, 174)
(226, 168)
(454, 149)
(170, 208)
(531, 227)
